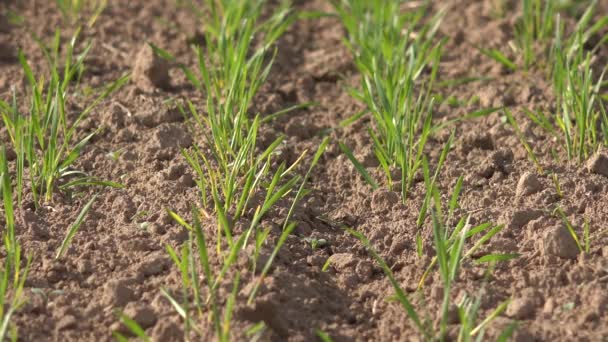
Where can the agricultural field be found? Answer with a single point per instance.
(301, 170)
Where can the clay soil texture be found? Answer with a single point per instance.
(323, 281)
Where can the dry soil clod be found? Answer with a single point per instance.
(598, 163)
(150, 71)
(383, 200)
(559, 242)
(528, 184)
(117, 294)
(521, 308)
(141, 313)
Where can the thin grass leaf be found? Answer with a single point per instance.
(75, 227)
(358, 166)
(492, 258)
(133, 327)
(405, 303)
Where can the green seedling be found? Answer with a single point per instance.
(236, 171)
(323, 336)
(44, 139)
(580, 121)
(499, 57)
(256, 331)
(316, 243)
(133, 327)
(533, 30)
(450, 251)
(12, 273)
(523, 141)
(391, 48)
(75, 10)
(236, 177)
(580, 113)
(74, 228)
(584, 247)
(535, 26)
(556, 184)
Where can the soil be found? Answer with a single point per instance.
(118, 258)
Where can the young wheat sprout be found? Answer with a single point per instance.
(392, 47)
(43, 138)
(237, 177)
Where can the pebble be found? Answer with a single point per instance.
(186, 181)
(520, 218)
(528, 184)
(167, 331)
(156, 228)
(116, 293)
(521, 308)
(154, 117)
(169, 136)
(141, 313)
(153, 266)
(342, 261)
(559, 242)
(598, 164)
(150, 71)
(384, 200)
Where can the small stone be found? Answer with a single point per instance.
(521, 308)
(114, 117)
(398, 245)
(520, 218)
(167, 331)
(559, 242)
(315, 260)
(341, 262)
(528, 184)
(150, 71)
(116, 293)
(383, 200)
(141, 313)
(268, 311)
(156, 228)
(154, 266)
(170, 136)
(598, 164)
(152, 117)
(175, 171)
(66, 322)
(488, 97)
(186, 180)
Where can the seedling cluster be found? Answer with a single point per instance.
(392, 49)
(249, 194)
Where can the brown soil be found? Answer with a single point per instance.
(118, 259)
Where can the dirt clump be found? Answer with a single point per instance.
(598, 163)
(149, 70)
(558, 241)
